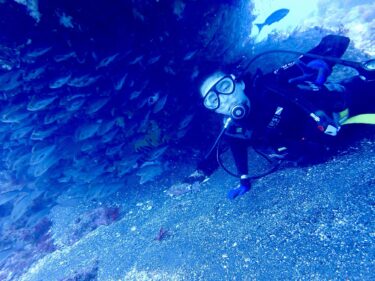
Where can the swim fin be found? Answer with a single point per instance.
(361, 119)
(330, 46)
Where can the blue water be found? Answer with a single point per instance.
(99, 101)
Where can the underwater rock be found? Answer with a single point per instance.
(88, 273)
(91, 220)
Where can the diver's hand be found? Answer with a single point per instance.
(325, 123)
(244, 187)
(316, 71)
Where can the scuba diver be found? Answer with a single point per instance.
(292, 113)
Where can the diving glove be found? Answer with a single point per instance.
(317, 71)
(244, 187)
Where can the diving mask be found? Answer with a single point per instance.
(225, 86)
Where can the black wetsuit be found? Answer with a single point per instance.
(279, 120)
(295, 117)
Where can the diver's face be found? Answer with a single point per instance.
(224, 95)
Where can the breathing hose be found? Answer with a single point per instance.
(365, 69)
(217, 144)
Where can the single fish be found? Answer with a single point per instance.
(60, 82)
(106, 126)
(43, 166)
(21, 133)
(154, 155)
(153, 60)
(66, 20)
(110, 136)
(5, 197)
(185, 122)
(60, 116)
(83, 81)
(23, 204)
(114, 150)
(43, 133)
(60, 58)
(75, 104)
(120, 83)
(272, 18)
(13, 114)
(41, 154)
(159, 105)
(86, 131)
(11, 80)
(90, 145)
(135, 95)
(96, 105)
(105, 62)
(153, 98)
(148, 173)
(190, 55)
(21, 162)
(34, 74)
(136, 60)
(39, 104)
(38, 52)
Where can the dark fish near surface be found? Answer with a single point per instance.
(272, 18)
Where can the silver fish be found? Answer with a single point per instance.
(38, 52)
(148, 173)
(21, 162)
(154, 59)
(190, 55)
(110, 136)
(90, 145)
(40, 154)
(22, 204)
(127, 164)
(83, 81)
(105, 62)
(75, 104)
(60, 82)
(13, 114)
(34, 74)
(159, 105)
(97, 105)
(154, 155)
(5, 197)
(136, 60)
(42, 167)
(60, 58)
(103, 190)
(135, 94)
(20, 133)
(153, 98)
(11, 80)
(86, 131)
(186, 121)
(41, 134)
(60, 116)
(39, 104)
(66, 20)
(106, 126)
(120, 83)
(114, 150)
